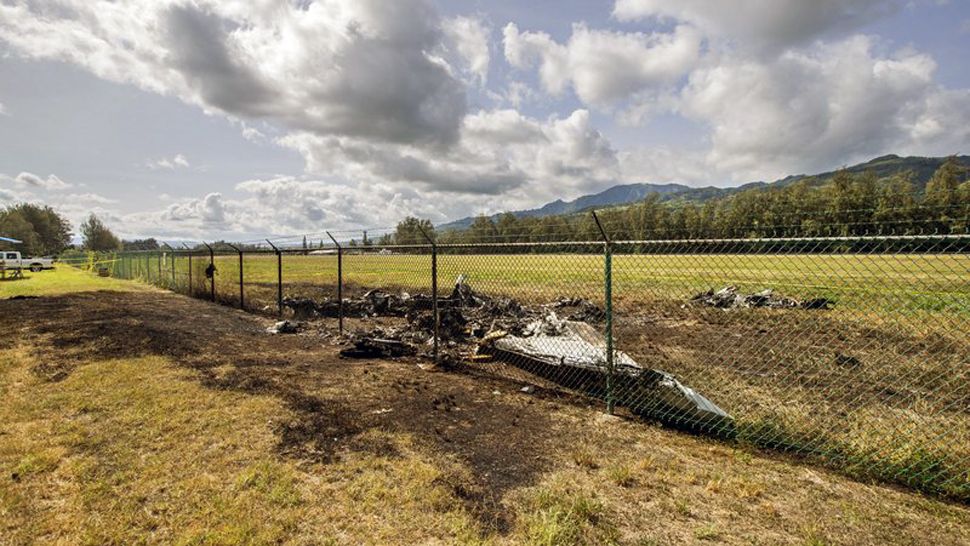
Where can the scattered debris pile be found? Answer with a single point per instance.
(582, 310)
(574, 354)
(730, 298)
(374, 303)
(285, 327)
(568, 351)
(377, 347)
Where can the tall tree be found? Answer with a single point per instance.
(483, 229)
(97, 236)
(508, 228)
(896, 205)
(942, 197)
(409, 231)
(43, 230)
(14, 225)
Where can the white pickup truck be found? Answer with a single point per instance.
(12, 260)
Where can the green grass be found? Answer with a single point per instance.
(63, 280)
(899, 283)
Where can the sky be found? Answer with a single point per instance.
(206, 119)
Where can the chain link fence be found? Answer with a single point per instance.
(853, 351)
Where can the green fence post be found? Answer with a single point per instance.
(610, 366)
(242, 278)
(279, 278)
(340, 284)
(608, 297)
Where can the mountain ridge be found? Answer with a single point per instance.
(622, 194)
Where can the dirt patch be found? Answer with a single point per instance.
(505, 439)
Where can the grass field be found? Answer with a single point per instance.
(897, 283)
(66, 280)
(143, 417)
(905, 319)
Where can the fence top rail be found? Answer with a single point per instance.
(657, 242)
(520, 244)
(844, 238)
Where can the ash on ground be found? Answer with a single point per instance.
(559, 342)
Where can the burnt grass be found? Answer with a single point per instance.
(748, 361)
(802, 380)
(506, 441)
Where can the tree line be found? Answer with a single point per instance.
(46, 232)
(845, 205)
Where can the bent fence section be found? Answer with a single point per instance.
(854, 351)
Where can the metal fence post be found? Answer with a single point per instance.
(608, 296)
(191, 291)
(242, 295)
(171, 252)
(340, 284)
(159, 267)
(212, 269)
(434, 293)
(279, 278)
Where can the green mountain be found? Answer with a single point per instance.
(887, 165)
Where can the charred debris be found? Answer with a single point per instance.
(730, 297)
(558, 342)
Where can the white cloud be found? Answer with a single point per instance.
(515, 94)
(765, 26)
(88, 199)
(31, 180)
(30, 188)
(278, 206)
(178, 160)
(287, 204)
(372, 94)
(499, 152)
(813, 109)
(605, 67)
(468, 36)
(208, 212)
(3, 110)
(664, 165)
(357, 68)
(253, 134)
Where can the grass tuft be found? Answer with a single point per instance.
(621, 475)
(563, 517)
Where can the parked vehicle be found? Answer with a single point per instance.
(13, 260)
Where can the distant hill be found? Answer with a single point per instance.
(616, 195)
(887, 165)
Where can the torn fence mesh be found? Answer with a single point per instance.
(574, 353)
